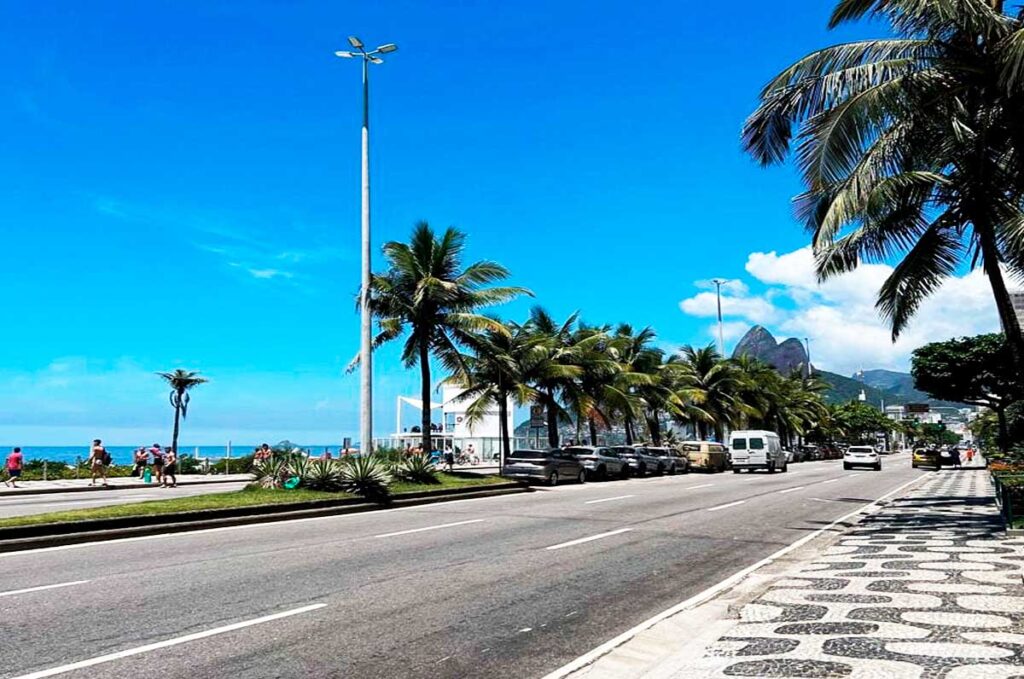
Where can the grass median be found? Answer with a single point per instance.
(248, 497)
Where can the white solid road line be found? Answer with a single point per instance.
(589, 539)
(608, 499)
(709, 593)
(40, 589)
(420, 530)
(790, 490)
(703, 485)
(831, 481)
(165, 644)
(725, 506)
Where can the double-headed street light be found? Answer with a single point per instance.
(366, 328)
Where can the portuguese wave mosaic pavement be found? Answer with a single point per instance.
(929, 587)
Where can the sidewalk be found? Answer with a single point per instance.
(927, 587)
(118, 483)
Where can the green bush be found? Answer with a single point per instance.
(417, 469)
(366, 476)
(323, 475)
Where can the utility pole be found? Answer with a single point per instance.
(721, 334)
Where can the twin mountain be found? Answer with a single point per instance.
(879, 386)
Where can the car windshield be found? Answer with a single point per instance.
(528, 453)
(756, 444)
(861, 449)
(579, 451)
(691, 447)
(739, 444)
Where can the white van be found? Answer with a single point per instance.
(756, 449)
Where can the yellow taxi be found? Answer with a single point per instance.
(923, 457)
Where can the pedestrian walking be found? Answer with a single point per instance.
(955, 455)
(15, 463)
(158, 462)
(99, 458)
(170, 468)
(970, 454)
(449, 460)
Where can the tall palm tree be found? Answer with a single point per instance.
(556, 373)
(644, 377)
(502, 366)
(427, 294)
(181, 382)
(910, 147)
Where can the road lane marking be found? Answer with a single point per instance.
(420, 530)
(709, 593)
(608, 499)
(703, 485)
(40, 589)
(726, 506)
(166, 643)
(790, 490)
(580, 541)
(831, 481)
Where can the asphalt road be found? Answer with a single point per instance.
(59, 502)
(497, 587)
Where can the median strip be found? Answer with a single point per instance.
(421, 530)
(608, 499)
(40, 589)
(53, 671)
(599, 536)
(726, 506)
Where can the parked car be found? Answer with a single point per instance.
(549, 466)
(641, 462)
(862, 456)
(756, 449)
(706, 456)
(675, 461)
(925, 457)
(600, 462)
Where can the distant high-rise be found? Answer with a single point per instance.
(1017, 297)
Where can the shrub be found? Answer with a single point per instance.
(365, 476)
(271, 473)
(322, 475)
(417, 469)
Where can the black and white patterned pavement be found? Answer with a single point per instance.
(928, 587)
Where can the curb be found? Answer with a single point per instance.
(22, 538)
(100, 489)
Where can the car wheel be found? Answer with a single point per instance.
(672, 471)
(641, 471)
(913, 465)
(624, 472)
(602, 473)
(553, 479)
(878, 467)
(846, 466)
(771, 467)
(582, 478)
(735, 471)
(661, 469)
(785, 466)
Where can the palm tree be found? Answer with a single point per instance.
(910, 147)
(428, 295)
(502, 365)
(181, 382)
(709, 386)
(555, 374)
(645, 378)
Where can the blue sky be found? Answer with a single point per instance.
(179, 183)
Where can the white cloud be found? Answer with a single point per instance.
(270, 273)
(839, 316)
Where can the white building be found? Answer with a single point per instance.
(454, 431)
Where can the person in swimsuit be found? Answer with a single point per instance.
(15, 461)
(158, 462)
(170, 468)
(98, 462)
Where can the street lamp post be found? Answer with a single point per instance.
(721, 335)
(807, 344)
(366, 319)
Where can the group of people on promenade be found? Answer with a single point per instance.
(164, 464)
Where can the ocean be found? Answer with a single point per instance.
(124, 454)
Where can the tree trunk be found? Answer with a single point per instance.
(593, 431)
(552, 414)
(629, 431)
(654, 424)
(503, 428)
(177, 422)
(425, 397)
(1003, 435)
(1004, 305)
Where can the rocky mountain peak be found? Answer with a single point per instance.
(758, 343)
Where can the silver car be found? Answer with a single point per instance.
(600, 462)
(641, 460)
(673, 461)
(548, 466)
